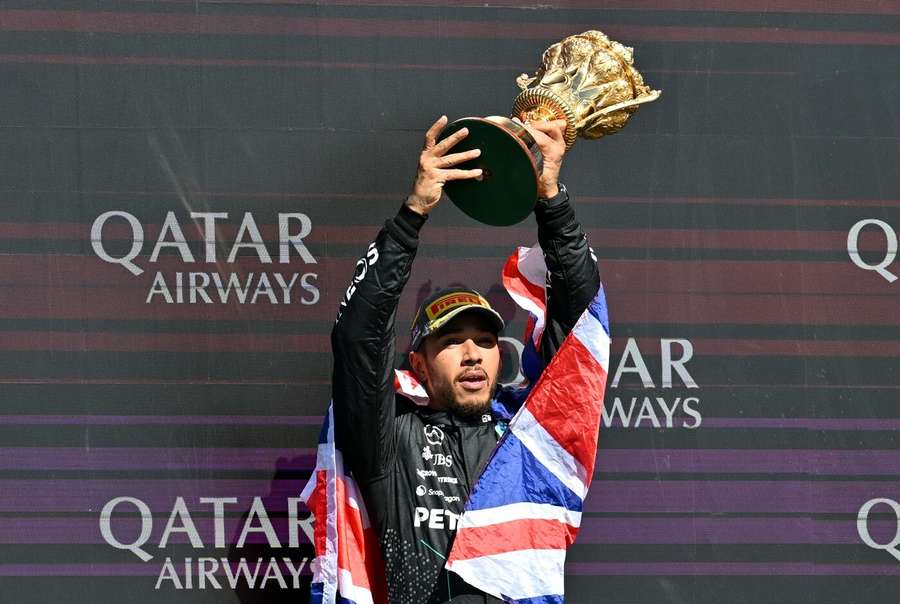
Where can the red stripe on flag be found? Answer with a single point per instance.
(515, 281)
(350, 537)
(567, 401)
(516, 535)
(318, 505)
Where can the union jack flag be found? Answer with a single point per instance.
(348, 568)
(525, 509)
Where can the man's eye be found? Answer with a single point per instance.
(487, 342)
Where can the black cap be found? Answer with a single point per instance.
(437, 310)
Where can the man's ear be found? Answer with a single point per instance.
(417, 363)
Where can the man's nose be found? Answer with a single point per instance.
(471, 353)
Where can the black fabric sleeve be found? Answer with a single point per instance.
(573, 277)
(362, 342)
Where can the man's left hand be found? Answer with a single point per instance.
(550, 139)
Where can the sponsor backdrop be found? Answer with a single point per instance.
(186, 188)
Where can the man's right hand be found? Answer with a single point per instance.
(435, 168)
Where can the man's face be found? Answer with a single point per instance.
(459, 365)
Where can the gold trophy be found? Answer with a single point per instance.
(588, 80)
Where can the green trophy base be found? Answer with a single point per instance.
(510, 162)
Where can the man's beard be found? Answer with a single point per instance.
(442, 392)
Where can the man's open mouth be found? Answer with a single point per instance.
(473, 381)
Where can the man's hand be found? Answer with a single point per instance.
(550, 139)
(435, 168)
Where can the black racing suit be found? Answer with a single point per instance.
(415, 466)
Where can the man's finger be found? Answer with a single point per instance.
(538, 135)
(554, 128)
(448, 175)
(435, 129)
(448, 161)
(447, 144)
(548, 126)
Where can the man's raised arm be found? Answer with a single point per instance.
(572, 267)
(363, 336)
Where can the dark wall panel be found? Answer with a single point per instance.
(720, 216)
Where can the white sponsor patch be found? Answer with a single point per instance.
(435, 518)
(433, 435)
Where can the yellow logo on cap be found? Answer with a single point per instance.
(450, 301)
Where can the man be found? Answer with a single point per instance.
(416, 464)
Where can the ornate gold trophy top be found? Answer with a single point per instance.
(588, 80)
